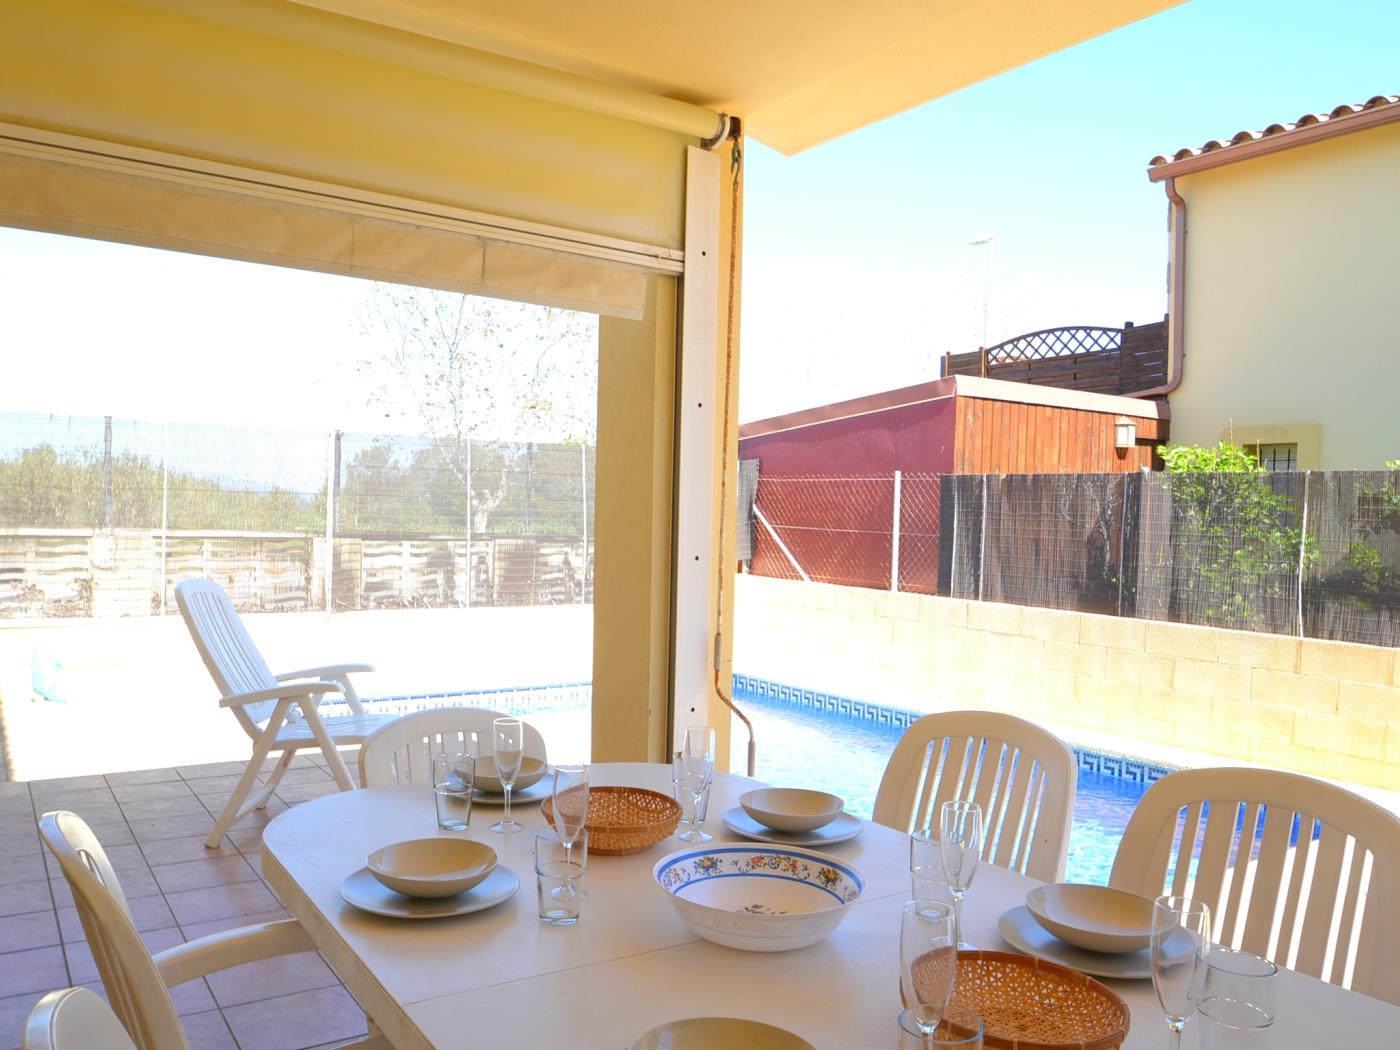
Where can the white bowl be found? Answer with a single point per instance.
(756, 899)
(706, 1033)
(432, 867)
(489, 781)
(1093, 917)
(792, 809)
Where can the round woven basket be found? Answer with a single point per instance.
(1031, 1004)
(623, 820)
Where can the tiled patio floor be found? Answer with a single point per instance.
(152, 824)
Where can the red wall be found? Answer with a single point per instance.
(917, 439)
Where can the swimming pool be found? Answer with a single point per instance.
(806, 739)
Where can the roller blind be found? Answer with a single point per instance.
(59, 190)
(148, 123)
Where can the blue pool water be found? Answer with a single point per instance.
(806, 747)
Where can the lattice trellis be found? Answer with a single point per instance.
(1055, 342)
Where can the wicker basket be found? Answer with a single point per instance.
(623, 820)
(1031, 1004)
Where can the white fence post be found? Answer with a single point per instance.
(982, 549)
(1302, 550)
(471, 567)
(329, 568)
(164, 510)
(894, 533)
(953, 557)
(583, 474)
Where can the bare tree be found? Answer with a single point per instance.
(463, 367)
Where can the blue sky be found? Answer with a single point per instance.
(858, 270)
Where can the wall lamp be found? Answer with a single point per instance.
(1124, 432)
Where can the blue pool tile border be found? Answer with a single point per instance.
(1103, 763)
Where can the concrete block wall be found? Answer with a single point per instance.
(1324, 708)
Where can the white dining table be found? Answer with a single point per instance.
(498, 980)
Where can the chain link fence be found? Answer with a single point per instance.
(842, 529)
(1314, 554)
(102, 517)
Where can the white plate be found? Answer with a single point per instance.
(1020, 930)
(365, 892)
(844, 827)
(536, 792)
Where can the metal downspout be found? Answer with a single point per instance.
(1176, 307)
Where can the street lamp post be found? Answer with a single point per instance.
(987, 240)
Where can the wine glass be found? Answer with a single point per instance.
(694, 768)
(928, 961)
(960, 835)
(1180, 945)
(509, 734)
(570, 805)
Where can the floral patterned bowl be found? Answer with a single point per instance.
(756, 899)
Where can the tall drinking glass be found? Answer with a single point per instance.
(509, 742)
(1180, 946)
(960, 835)
(570, 805)
(694, 767)
(928, 961)
(926, 878)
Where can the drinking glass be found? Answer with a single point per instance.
(694, 767)
(570, 803)
(1229, 1024)
(1240, 976)
(928, 961)
(558, 874)
(690, 813)
(926, 877)
(454, 776)
(509, 742)
(960, 1029)
(1180, 945)
(960, 832)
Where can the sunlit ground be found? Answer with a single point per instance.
(133, 694)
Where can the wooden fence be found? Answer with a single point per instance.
(133, 572)
(1099, 360)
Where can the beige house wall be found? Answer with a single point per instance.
(1291, 319)
(1328, 709)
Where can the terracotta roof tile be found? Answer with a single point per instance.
(1307, 120)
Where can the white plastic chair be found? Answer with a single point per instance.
(1022, 776)
(1297, 870)
(74, 1019)
(264, 703)
(402, 751)
(137, 983)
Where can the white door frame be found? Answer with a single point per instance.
(698, 417)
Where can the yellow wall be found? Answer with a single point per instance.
(1292, 316)
(632, 522)
(1325, 708)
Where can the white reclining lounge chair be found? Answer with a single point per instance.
(279, 712)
